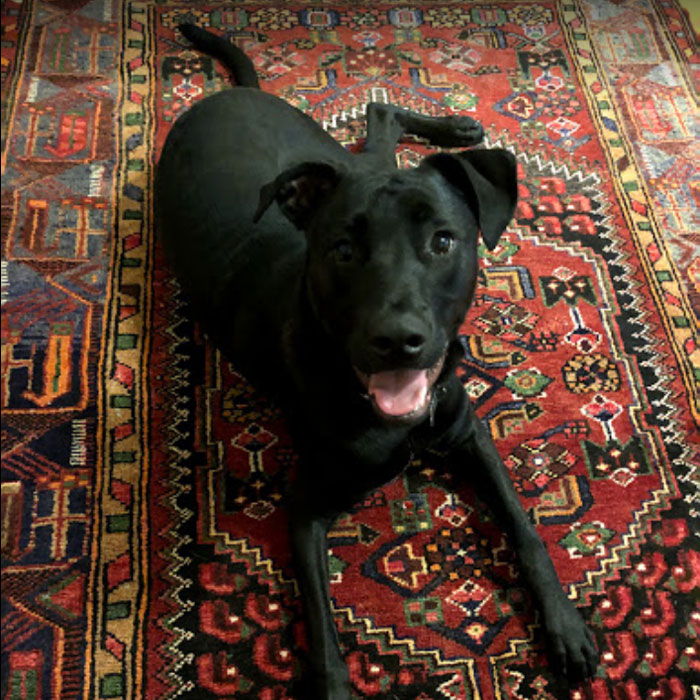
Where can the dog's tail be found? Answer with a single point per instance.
(229, 54)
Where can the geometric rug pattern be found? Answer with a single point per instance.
(144, 545)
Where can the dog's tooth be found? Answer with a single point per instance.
(424, 396)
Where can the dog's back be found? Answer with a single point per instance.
(217, 158)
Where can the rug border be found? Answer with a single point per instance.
(114, 663)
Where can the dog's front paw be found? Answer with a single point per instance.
(333, 685)
(571, 644)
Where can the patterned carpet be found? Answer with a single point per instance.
(144, 549)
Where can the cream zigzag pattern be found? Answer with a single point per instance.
(178, 483)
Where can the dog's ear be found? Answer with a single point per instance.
(298, 191)
(487, 178)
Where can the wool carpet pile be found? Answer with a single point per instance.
(144, 549)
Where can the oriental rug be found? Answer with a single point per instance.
(144, 547)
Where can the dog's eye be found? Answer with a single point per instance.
(343, 251)
(442, 243)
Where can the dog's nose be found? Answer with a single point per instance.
(401, 342)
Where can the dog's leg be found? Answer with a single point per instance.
(309, 532)
(387, 123)
(571, 644)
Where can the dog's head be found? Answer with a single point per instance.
(392, 261)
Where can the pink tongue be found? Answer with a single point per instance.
(399, 392)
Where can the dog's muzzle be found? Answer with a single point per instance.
(402, 394)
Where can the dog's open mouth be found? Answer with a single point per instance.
(401, 394)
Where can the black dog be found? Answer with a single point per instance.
(345, 299)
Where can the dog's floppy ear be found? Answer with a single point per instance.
(298, 191)
(487, 177)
